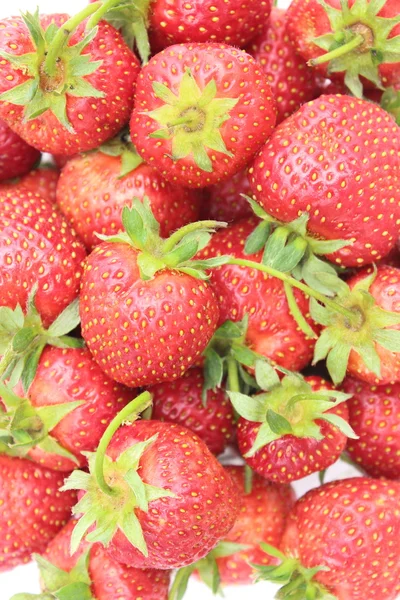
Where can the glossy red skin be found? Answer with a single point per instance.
(241, 291)
(292, 82)
(41, 181)
(352, 527)
(374, 414)
(91, 195)
(94, 119)
(224, 201)
(16, 156)
(181, 402)
(37, 246)
(182, 529)
(352, 192)
(109, 579)
(290, 458)
(71, 375)
(33, 509)
(386, 291)
(143, 332)
(262, 518)
(234, 22)
(251, 120)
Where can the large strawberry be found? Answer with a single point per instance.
(90, 574)
(16, 156)
(201, 112)
(225, 202)
(342, 541)
(291, 80)
(41, 181)
(147, 313)
(94, 188)
(341, 168)
(374, 414)
(33, 509)
(66, 85)
(155, 495)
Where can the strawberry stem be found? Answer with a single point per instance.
(99, 14)
(178, 235)
(338, 52)
(132, 409)
(233, 376)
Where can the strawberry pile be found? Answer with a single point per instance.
(207, 264)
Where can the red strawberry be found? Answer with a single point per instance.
(233, 22)
(16, 156)
(201, 112)
(95, 187)
(81, 102)
(343, 154)
(342, 541)
(33, 509)
(181, 402)
(41, 181)
(37, 247)
(374, 414)
(224, 201)
(291, 81)
(294, 428)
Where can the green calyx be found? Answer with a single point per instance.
(391, 103)
(288, 407)
(122, 147)
(142, 231)
(62, 585)
(370, 326)
(298, 582)
(192, 120)
(359, 42)
(114, 489)
(23, 339)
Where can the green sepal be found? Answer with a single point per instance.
(122, 147)
(390, 101)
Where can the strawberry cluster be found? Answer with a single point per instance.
(209, 264)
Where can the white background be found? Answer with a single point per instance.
(25, 579)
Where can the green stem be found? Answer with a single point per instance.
(104, 8)
(134, 407)
(176, 237)
(233, 375)
(248, 479)
(338, 52)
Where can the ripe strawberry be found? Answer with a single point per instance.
(234, 22)
(33, 509)
(201, 112)
(146, 315)
(344, 154)
(180, 502)
(76, 92)
(224, 201)
(41, 181)
(37, 247)
(16, 156)
(181, 402)
(94, 188)
(272, 330)
(291, 80)
(342, 541)
(374, 414)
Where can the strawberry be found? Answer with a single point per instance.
(65, 94)
(290, 79)
(201, 112)
(156, 496)
(351, 37)
(94, 188)
(181, 402)
(90, 573)
(37, 248)
(374, 414)
(224, 201)
(16, 156)
(342, 541)
(344, 154)
(41, 181)
(33, 509)
(146, 314)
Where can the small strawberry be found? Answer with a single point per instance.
(94, 188)
(181, 402)
(67, 85)
(291, 80)
(33, 509)
(16, 156)
(342, 541)
(41, 181)
(374, 414)
(225, 202)
(201, 112)
(91, 574)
